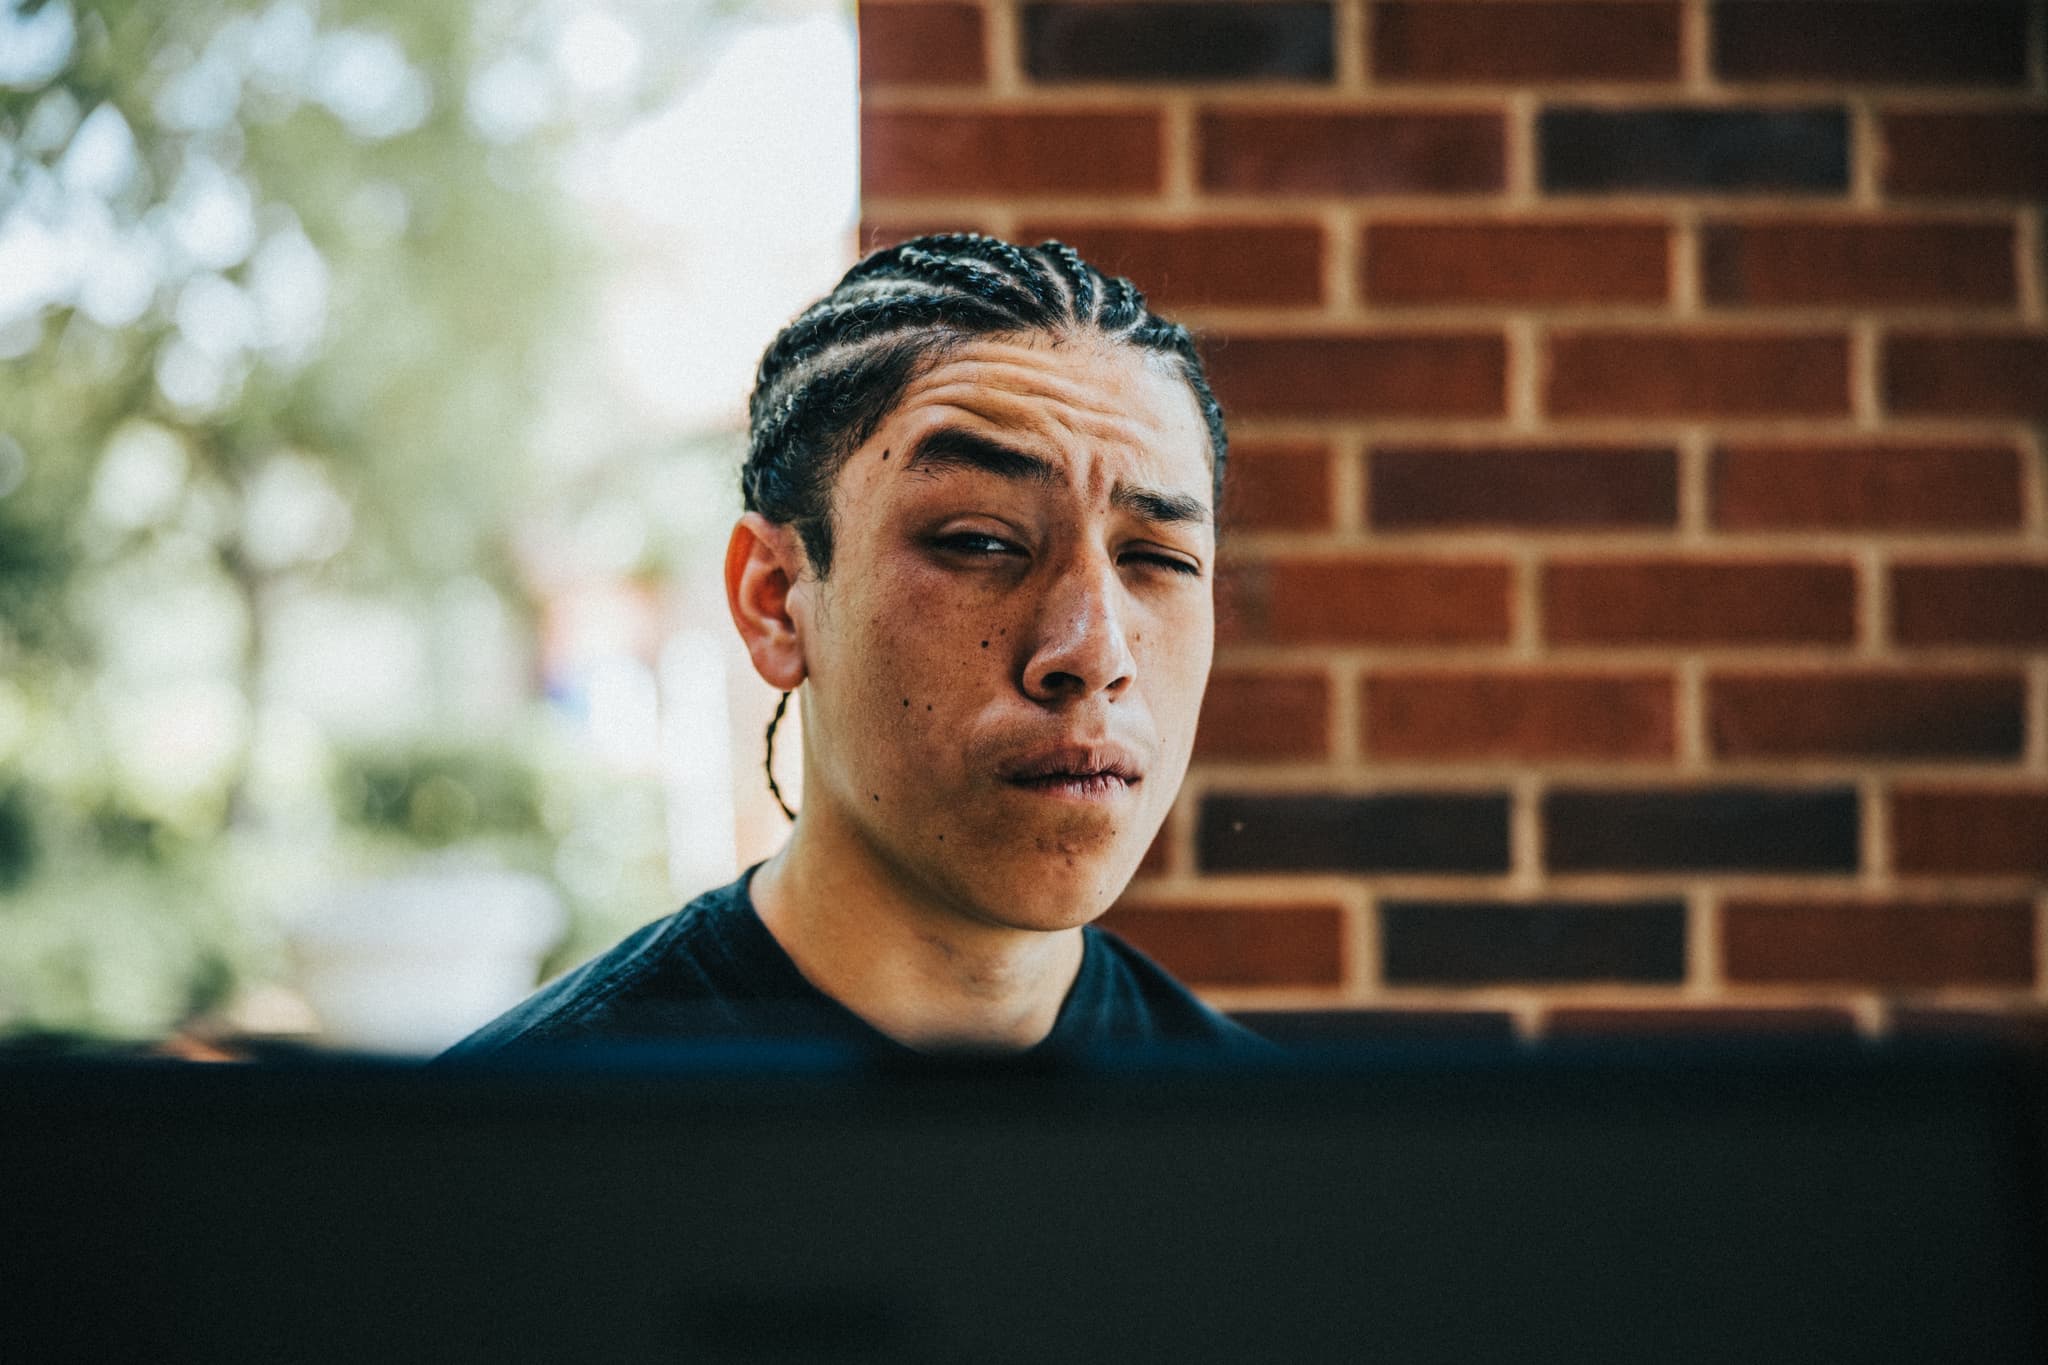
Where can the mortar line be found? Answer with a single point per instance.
(1351, 32)
(1704, 977)
(1525, 835)
(1866, 394)
(2037, 716)
(1521, 189)
(1367, 962)
(1689, 716)
(1863, 154)
(1177, 184)
(1873, 606)
(1694, 51)
(1875, 843)
(1695, 461)
(1005, 65)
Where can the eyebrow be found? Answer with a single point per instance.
(953, 448)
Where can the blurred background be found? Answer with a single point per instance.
(1635, 616)
(371, 382)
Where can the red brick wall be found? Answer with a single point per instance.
(1636, 612)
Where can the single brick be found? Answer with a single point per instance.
(1867, 714)
(1527, 488)
(1521, 714)
(1197, 264)
(1479, 943)
(1703, 829)
(1892, 42)
(1690, 150)
(1311, 1028)
(1307, 152)
(1382, 374)
(1376, 601)
(1547, 40)
(1699, 602)
(1277, 485)
(1996, 603)
(921, 44)
(1882, 263)
(973, 151)
(1960, 832)
(1967, 153)
(1642, 373)
(1878, 943)
(1265, 714)
(1702, 1023)
(1328, 832)
(1967, 374)
(1533, 263)
(1095, 41)
(1865, 487)
(1266, 945)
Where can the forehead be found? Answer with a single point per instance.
(1104, 411)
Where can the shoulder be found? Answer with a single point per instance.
(1141, 1002)
(657, 961)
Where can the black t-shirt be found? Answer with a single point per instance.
(712, 971)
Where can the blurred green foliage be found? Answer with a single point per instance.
(279, 244)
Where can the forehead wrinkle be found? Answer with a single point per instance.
(1071, 417)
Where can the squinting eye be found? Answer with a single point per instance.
(1169, 562)
(976, 545)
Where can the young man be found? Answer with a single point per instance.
(980, 537)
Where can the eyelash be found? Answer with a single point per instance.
(960, 544)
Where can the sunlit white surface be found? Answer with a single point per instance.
(696, 762)
(412, 964)
(624, 713)
(732, 210)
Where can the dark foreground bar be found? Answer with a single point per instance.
(1463, 1204)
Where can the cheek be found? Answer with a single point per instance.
(1174, 647)
(918, 667)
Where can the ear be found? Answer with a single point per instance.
(763, 563)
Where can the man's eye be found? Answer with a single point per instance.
(975, 545)
(1180, 566)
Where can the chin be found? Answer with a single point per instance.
(1053, 891)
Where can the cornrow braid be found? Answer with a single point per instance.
(829, 379)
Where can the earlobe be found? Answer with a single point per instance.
(763, 563)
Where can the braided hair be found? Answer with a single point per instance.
(830, 378)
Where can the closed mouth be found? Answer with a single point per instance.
(1075, 784)
(1087, 771)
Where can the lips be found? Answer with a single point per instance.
(1074, 769)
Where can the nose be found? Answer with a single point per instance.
(1080, 647)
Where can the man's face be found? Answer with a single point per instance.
(1006, 661)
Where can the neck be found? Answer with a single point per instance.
(924, 972)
